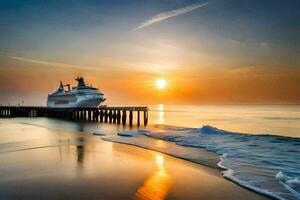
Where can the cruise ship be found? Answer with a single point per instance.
(80, 96)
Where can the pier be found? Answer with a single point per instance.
(103, 114)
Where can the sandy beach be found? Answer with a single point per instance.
(55, 164)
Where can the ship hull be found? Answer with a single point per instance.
(74, 103)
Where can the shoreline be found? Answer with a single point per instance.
(219, 168)
(89, 153)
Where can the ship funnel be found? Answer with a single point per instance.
(80, 81)
(61, 84)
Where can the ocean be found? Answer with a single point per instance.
(257, 146)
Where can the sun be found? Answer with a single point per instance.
(161, 83)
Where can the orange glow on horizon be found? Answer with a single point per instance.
(180, 86)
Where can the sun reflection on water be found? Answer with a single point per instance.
(161, 114)
(157, 186)
(161, 144)
(160, 162)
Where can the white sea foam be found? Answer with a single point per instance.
(100, 132)
(127, 133)
(291, 184)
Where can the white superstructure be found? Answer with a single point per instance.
(80, 96)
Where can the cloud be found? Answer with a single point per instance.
(173, 13)
(264, 46)
(50, 63)
(236, 42)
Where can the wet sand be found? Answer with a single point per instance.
(52, 164)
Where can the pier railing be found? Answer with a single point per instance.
(106, 114)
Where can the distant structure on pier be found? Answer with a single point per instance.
(80, 96)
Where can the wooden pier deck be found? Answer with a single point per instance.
(106, 114)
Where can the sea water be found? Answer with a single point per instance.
(258, 145)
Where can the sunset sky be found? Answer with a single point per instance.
(209, 52)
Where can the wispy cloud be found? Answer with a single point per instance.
(173, 13)
(49, 63)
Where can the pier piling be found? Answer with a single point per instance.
(138, 118)
(124, 117)
(130, 117)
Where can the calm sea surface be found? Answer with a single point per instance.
(254, 119)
